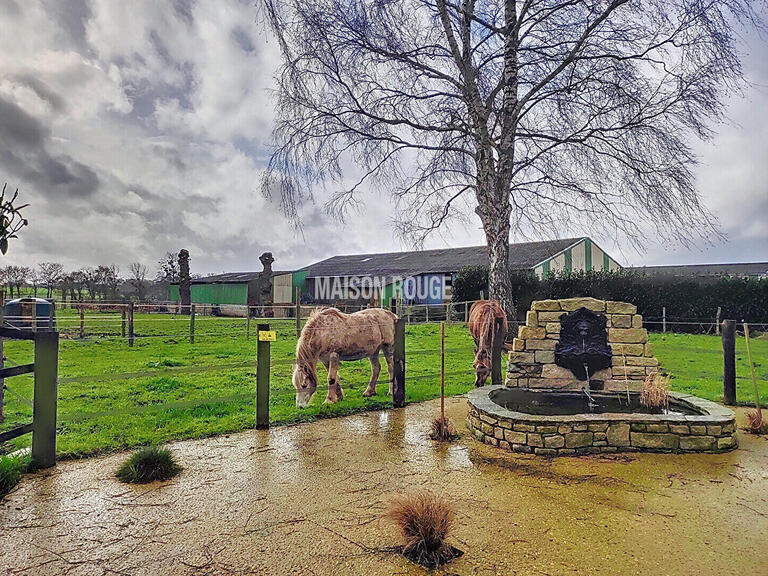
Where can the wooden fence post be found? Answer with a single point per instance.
(466, 311)
(426, 312)
(717, 321)
(191, 323)
(122, 320)
(262, 378)
(82, 320)
(51, 315)
(729, 361)
(664, 319)
(398, 376)
(2, 356)
(298, 312)
(44, 399)
(497, 353)
(247, 322)
(130, 324)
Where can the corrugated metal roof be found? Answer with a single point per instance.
(233, 277)
(522, 256)
(735, 269)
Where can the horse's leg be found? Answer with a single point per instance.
(334, 388)
(375, 370)
(389, 351)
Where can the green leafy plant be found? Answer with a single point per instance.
(11, 220)
(11, 470)
(147, 465)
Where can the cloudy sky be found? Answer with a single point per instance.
(137, 128)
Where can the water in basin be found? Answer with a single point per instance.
(546, 403)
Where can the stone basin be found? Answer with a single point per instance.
(549, 423)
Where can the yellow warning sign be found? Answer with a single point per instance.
(267, 336)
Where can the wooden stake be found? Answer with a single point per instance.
(442, 380)
(192, 324)
(717, 322)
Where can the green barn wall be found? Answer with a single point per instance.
(220, 293)
(299, 280)
(213, 293)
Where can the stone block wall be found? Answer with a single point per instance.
(532, 359)
(580, 435)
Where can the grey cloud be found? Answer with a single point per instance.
(24, 154)
(43, 91)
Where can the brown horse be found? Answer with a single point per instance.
(482, 322)
(330, 336)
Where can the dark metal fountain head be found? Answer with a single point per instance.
(583, 346)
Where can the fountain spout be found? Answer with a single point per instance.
(590, 400)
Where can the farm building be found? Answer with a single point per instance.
(236, 288)
(430, 273)
(740, 270)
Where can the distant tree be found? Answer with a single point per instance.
(16, 277)
(91, 282)
(540, 115)
(35, 279)
(49, 273)
(78, 283)
(109, 280)
(168, 268)
(138, 279)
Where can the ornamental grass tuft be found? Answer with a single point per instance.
(147, 465)
(425, 521)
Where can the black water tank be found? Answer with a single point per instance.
(20, 311)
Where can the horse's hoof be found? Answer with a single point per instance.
(368, 394)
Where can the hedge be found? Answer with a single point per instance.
(686, 299)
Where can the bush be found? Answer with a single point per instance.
(424, 521)
(685, 298)
(147, 465)
(11, 470)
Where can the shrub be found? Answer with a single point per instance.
(685, 298)
(424, 521)
(147, 465)
(442, 429)
(11, 470)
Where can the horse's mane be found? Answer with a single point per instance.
(316, 319)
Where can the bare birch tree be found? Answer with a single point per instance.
(541, 115)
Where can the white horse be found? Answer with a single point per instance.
(331, 336)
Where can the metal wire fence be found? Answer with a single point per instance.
(194, 375)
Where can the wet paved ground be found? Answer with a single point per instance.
(308, 500)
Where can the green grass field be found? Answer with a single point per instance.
(112, 396)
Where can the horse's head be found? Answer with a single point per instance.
(482, 366)
(305, 382)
